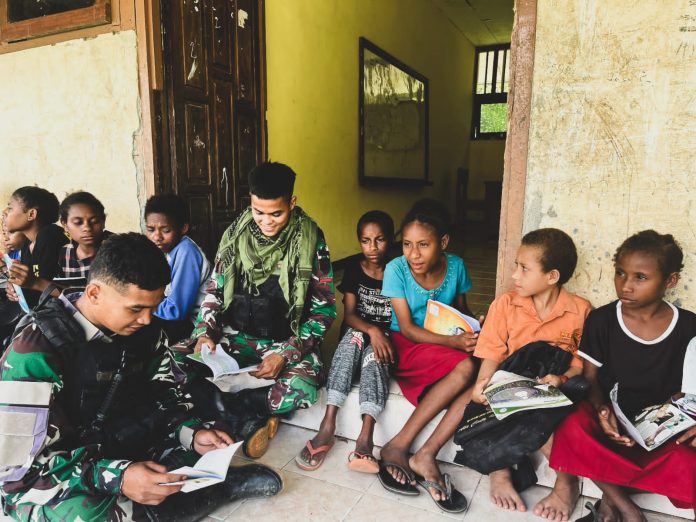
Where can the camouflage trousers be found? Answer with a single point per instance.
(89, 505)
(298, 383)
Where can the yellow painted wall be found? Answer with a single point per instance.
(312, 63)
(485, 164)
(68, 117)
(612, 143)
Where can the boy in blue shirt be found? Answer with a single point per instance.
(166, 224)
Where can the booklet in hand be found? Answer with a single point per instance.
(210, 469)
(446, 320)
(227, 375)
(654, 425)
(18, 289)
(509, 393)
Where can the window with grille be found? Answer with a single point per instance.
(491, 83)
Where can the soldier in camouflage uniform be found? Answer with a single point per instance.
(271, 298)
(89, 400)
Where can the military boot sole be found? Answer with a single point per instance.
(256, 444)
(273, 424)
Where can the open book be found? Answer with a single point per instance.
(509, 393)
(654, 425)
(18, 289)
(210, 469)
(227, 375)
(445, 320)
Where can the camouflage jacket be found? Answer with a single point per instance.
(322, 307)
(55, 473)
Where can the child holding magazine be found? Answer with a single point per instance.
(639, 343)
(432, 369)
(365, 348)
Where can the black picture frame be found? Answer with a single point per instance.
(393, 122)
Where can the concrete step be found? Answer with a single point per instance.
(398, 410)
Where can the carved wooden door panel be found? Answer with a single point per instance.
(214, 73)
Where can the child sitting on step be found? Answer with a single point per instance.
(365, 348)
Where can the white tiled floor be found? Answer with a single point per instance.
(332, 493)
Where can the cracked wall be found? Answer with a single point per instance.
(68, 118)
(612, 144)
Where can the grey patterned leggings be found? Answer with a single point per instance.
(353, 358)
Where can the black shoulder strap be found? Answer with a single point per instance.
(54, 321)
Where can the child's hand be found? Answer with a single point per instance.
(689, 436)
(610, 426)
(11, 294)
(382, 347)
(20, 274)
(477, 394)
(553, 380)
(204, 340)
(465, 342)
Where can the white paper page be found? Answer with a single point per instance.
(240, 381)
(631, 430)
(219, 361)
(210, 469)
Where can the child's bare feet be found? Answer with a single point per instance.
(396, 455)
(560, 503)
(503, 493)
(425, 466)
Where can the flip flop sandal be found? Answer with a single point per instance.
(391, 484)
(307, 465)
(593, 515)
(362, 462)
(454, 501)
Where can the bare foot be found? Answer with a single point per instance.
(503, 493)
(560, 503)
(425, 466)
(391, 453)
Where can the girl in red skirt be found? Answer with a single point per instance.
(639, 342)
(432, 369)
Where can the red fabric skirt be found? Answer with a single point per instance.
(420, 365)
(581, 448)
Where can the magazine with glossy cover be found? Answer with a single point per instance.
(509, 393)
(656, 424)
(446, 320)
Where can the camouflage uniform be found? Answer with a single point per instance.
(79, 483)
(296, 386)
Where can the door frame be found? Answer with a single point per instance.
(517, 141)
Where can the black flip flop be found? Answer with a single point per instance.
(454, 501)
(593, 515)
(391, 484)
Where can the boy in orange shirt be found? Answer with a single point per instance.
(539, 309)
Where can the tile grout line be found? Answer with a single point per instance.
(353, 506)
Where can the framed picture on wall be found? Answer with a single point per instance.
(393, 120)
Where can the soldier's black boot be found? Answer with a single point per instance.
(251, 481)
(259, 428)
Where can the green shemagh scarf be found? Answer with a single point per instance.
(249, 258)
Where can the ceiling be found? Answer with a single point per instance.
(483, 22)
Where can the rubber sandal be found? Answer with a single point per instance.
(391, 484)
(307, 466)
(362, 462)
(454, 501)
(593, 515)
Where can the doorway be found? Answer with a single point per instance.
(211, 112)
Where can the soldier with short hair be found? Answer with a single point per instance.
(91, 410)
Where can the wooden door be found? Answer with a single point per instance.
(214, 132)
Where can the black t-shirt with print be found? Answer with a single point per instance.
(371, 305)
(43, 260)
(648, 372)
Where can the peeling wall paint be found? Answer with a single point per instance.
(612, 143)
(70, 120)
